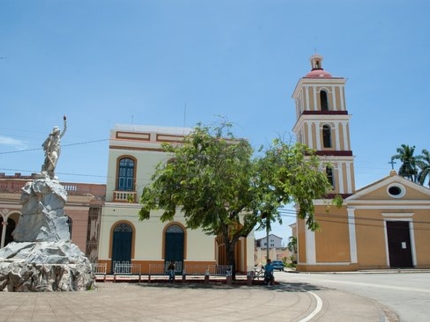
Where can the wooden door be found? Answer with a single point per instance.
(399, 244)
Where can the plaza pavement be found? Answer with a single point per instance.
(192, 302)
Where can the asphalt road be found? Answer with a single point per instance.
(407, 293)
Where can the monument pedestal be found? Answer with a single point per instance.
(42, 257)
(44, 267)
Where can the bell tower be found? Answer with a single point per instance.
(323, 124)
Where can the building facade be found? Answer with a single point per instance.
(134, 152)
(382, 225)
(83, 207)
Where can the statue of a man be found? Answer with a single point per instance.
(52, 148)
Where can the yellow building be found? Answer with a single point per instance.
(383, 225)
(134, 152)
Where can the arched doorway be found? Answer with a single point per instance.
(174, 247)
(121, 245)
(9, 229)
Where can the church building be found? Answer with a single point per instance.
(383, 225)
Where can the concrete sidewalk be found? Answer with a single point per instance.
(191, 302)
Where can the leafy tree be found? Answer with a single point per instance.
(423, 162)
(408, 168)
(215, 181)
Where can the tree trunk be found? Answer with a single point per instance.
(231, 259)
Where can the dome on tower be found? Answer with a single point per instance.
(317, 70)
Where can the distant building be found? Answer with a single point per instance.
(274, 241)
(83, 207)
(275, 247)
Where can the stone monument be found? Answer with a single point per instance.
(42, 257)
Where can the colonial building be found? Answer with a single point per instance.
(83, 207)
(134, 152)
(383, 225)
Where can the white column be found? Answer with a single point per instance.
(336, 130)
(299, 104)
(311, 257)
(348, 177)
(340, 177)
(318, 135)
(307, 97)
(412, 236)
(345, 135)
(333, 91)
(342, 102)
(352, 236)
(310, 142)
(315, 98)
(3, 232)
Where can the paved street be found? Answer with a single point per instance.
(298, 301)
(407, 293)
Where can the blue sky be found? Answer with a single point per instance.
(178, 62)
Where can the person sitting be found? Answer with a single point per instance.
(171, 271)
(268, 273)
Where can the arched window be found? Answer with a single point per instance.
(326, 132)
(330, 177)
(324, 101)
(126, 174)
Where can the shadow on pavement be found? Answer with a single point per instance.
(279, 287)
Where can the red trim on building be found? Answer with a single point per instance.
(325, 113)
(334, 153)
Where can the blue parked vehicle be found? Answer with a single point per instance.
(279, 265)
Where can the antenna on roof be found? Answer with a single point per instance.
(132, 120)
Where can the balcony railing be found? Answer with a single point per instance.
(125, 196)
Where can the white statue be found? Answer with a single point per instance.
(52, 148)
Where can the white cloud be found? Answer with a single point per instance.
(17, 144)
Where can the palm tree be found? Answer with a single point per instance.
(408, 168)
(423, 162)
(292, 245)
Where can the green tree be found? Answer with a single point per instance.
(215, 181)
(408, 168)
(292, 245)
(423, 162)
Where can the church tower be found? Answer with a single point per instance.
(323, 124)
